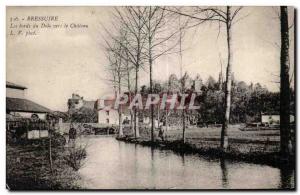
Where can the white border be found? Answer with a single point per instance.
(4, 3)
(151, 2)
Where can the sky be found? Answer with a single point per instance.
(55, 63)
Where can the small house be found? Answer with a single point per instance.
(108, 115)
(17, 105)
(19, 108)
(273, 118)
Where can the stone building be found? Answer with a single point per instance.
(82, 110)
(18, 106)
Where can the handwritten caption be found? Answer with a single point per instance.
(33, 25)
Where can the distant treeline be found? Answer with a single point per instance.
(247, 103)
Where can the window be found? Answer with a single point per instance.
(34, 116)
(107, 112)
(107, 121)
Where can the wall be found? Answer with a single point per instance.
(79, 104)
(28, 114)
(113, 117)
(63, 128)
(36, 134)
(14, 93)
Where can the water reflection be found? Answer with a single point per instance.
(135, 161)
(182, 159)
(153, 171)
(224, 173)
(287, 177)
(111, 164)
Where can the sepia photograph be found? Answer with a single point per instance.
(150, 98)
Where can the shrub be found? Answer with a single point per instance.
(75, 157)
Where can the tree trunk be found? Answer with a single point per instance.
(136, 120)
(131, 121)
(120, 111)
(182, 82)
(50, 148)
(284, 85)
(151, 90)
(167, 123)
(183, 125)
(224, 133)
(129, 97)
(131, 113)
(129, 91)
(120, 122)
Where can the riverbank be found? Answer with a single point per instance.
(28, 167)
(254, 147)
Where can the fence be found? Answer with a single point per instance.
(63, 128)
(28, 128)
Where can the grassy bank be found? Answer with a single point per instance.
(261, 147)
(28, 167)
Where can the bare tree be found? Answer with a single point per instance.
(118, 69)
(182, 79)
(276, 44)
(227, 17)
(128, 70)
(145, 35)
(158, 35)
(120, 73)
(183, 82)
(132, 21)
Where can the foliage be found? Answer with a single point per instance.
(28, 168)
(83, 115)
(249, 101)
(75, 157)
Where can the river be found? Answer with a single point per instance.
(112, 164)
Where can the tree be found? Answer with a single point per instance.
(197, 83)
(146, 36)
(129, 69)
(118, 71)
(285, 140)
(173, 84)
(157, 36)
(227, 17)
(183, 82)
(211, 83)
(132, 22)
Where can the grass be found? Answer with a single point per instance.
(28, 168)
(253, 146)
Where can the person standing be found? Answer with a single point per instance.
(72, 136)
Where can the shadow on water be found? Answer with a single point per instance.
(182, 159)
(153, 171)
(224, 173)
(122, 166)
(287, 177)
(135, 163)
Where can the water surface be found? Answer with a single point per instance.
(112, 164)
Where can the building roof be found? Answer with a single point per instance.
(15, 86)
(90, 104)
(23, 105)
